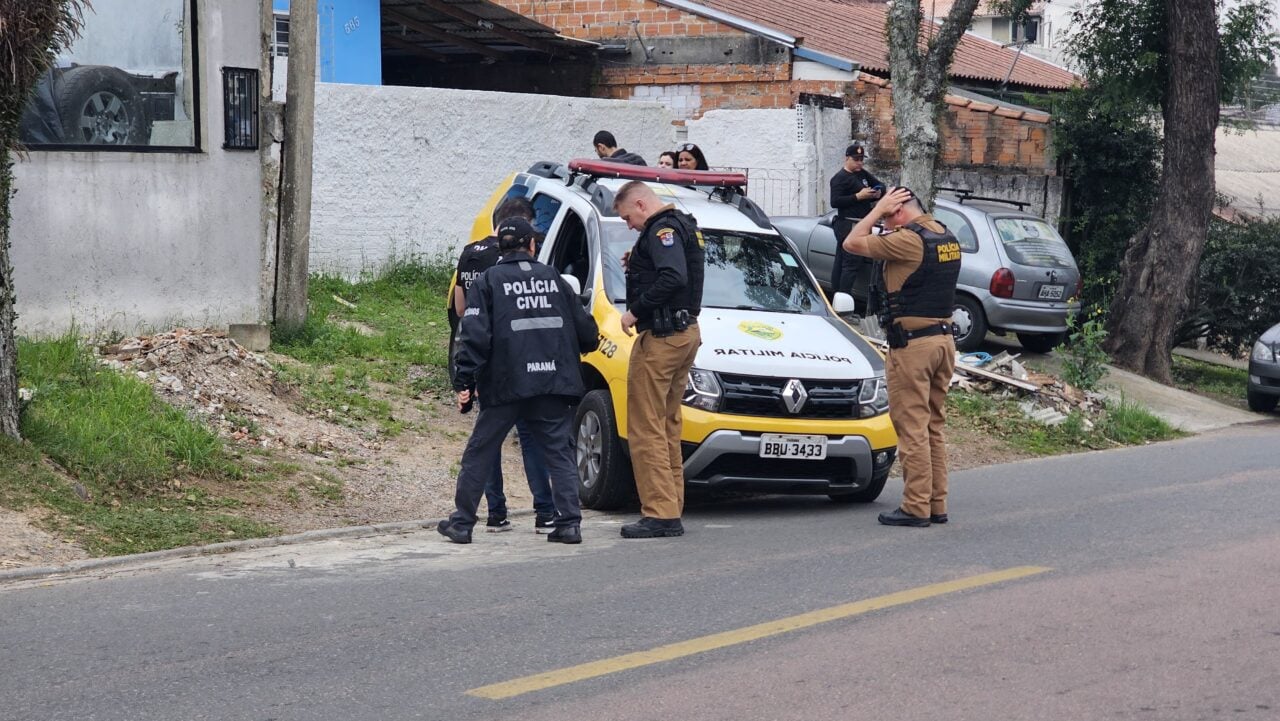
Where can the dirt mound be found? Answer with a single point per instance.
(233, 390)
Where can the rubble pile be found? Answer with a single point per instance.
(233, 390)
(1047, 399)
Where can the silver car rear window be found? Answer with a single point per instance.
(1033, 242)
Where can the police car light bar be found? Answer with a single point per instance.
(626, 171)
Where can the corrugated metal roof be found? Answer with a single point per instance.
(459, 27)
(1247, 170)
(856, 31)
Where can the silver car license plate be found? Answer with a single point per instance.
(777, 445)
(1051, 292)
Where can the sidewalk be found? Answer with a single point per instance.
(1205, 356)
(1181, 409)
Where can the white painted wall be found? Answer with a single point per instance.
(134, 241)
(403, 171)
(789, 153)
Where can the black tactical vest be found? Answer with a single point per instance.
(930, 291)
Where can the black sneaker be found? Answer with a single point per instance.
(544, 523)
(938, 518)
(899, 517)
(497, 524)
(566, 534)
(648, 527)
(453, 533)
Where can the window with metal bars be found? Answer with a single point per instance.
(280, 40)
(240, 108)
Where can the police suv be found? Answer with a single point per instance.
(784, 397)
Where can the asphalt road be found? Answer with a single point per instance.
(1144, 586)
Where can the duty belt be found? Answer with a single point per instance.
(925, 332)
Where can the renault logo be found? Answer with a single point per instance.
(794, 396)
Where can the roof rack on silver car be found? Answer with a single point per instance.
(963, 194)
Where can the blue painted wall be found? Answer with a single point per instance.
(349, 42)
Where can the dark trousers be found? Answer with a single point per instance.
(549, 421)
(535, 471)
(844, 271)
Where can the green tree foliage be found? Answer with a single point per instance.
(1110, 154)
(1237, 293)
(1123, 51)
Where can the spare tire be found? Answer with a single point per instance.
(98, 105)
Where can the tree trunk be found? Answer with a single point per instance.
(1160, 263)
(920, 86)
(8, 342)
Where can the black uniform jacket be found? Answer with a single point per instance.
(845, 187)
(666, 267)
(522, 334)
(622, 156)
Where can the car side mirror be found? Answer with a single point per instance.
(843, 303)
(827, 220)
(572, 280)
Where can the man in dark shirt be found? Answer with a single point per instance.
(607, 148)
(475, 259)
(854, 193)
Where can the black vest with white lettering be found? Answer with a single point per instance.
(929, 292)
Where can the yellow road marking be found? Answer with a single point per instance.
(581, 672)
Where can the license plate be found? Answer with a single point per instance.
(775, 445)
(1051, 292)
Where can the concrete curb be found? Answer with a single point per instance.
(96, 564)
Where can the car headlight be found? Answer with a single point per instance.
(1263, 353)
(702, 390)
(873, 399)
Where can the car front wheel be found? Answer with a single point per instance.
(604, 473)
(970, 322)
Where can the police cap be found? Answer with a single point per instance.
(515, 232)
(855, 151)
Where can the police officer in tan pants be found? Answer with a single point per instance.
(921, 266)
(664, 296)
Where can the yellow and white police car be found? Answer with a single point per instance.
(784, 397)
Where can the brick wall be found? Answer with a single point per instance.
(974, 134)
(612, 19)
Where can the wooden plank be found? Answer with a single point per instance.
(997, 377)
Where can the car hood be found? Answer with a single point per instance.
(783, 345)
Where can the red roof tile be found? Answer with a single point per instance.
(856, 31)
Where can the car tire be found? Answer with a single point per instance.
(1041, 342)
(863, 495)
(605, 482)
(98, 105)
(970, 322)
(1261, 402)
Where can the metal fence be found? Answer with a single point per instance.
(776, 190)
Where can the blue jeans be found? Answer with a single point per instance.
(535, 471)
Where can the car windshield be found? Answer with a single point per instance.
(1033, 242)
(750, 271)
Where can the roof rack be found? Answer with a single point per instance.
(963, 194)
(549, 169)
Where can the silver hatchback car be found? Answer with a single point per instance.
(1017, 276)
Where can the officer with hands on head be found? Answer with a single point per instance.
(854, 193)
(664, 296)
(522, 336)
(921, 266)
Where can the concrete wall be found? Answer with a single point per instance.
(789, 154)
(403, 171)
(1043, 192)
(133, 241)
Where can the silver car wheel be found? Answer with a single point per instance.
(963, 321)
(590, 449)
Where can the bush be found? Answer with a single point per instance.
(1237, 294)
(1085, 360)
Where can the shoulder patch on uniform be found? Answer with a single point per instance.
(667, 236)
